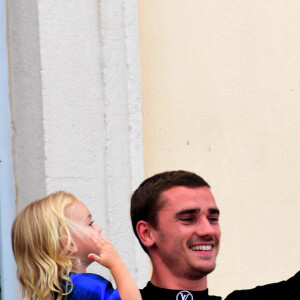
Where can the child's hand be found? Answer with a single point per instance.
(108, 256)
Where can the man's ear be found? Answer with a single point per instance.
(144, 231)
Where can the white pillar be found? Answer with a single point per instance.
(86, 95)
(124, 147)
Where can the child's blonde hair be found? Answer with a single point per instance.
(41, 237)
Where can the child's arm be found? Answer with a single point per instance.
(109, 258)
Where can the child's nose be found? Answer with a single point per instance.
(98, 228)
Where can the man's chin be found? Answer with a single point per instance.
(199, 272)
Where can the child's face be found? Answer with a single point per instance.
(80, 214)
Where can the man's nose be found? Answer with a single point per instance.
(204, 227)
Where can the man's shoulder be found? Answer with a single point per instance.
(283, 289)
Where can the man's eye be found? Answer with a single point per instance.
(186, 220)
(92, 222)
(214, 219)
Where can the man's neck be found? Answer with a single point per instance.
(167, 280)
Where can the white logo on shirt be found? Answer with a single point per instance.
(184, 295)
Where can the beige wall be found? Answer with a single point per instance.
(221, 96)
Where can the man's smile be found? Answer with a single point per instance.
(202, 248)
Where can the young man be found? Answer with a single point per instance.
(175, 217)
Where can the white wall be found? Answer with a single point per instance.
(77, 112)
(220, 96)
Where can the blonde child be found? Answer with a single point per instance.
(54, 240)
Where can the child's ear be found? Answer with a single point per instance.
(72, 249)
(144, 231)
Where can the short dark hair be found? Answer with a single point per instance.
(146, 201)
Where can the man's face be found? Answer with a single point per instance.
(187, 237)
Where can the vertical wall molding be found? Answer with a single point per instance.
(26, 100)
(7, 187)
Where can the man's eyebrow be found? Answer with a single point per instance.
(188, 211)
(214, 211)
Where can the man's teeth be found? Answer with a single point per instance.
(202, 248)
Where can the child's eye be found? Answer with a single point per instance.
(92, 222)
